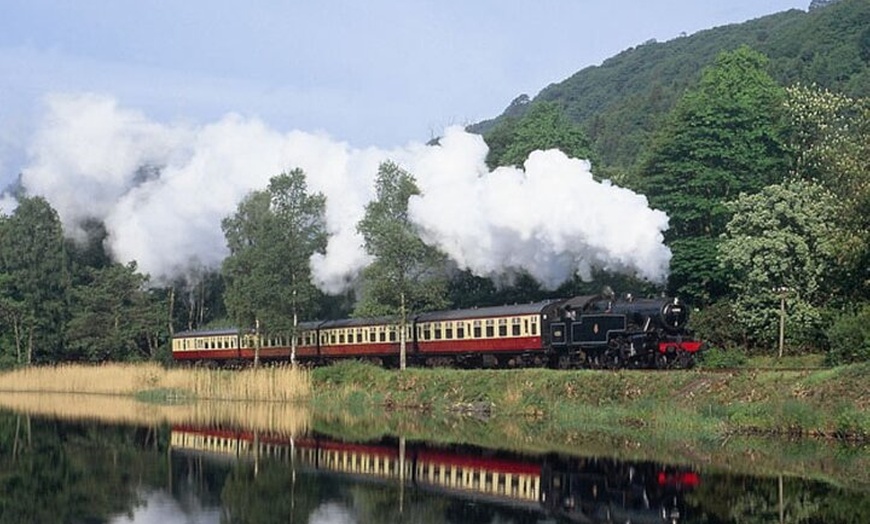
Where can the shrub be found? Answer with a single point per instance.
(849, 338)
(717, 358)
(717, 326)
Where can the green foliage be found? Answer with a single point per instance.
(623, 101)
(113, 316)
(716, 326)
(829, 134)
(696, 276)
(723, 138)
(271, 238)
(543, 126)
(718, 358)
(33, 280)
(406, 275)
(783, 237)
(849, 337)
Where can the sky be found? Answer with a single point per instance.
(224, 94)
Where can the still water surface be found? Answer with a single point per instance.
(85, 472)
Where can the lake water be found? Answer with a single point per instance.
(70, 471)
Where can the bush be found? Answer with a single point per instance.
(716, 358)
(849, 338)
(717, 326)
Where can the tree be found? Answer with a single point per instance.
(723, 138)
(543, 126)
(828, 132)
(406, 274)
(271, 239)
(35, 282)
(113, 316)
(782, 240)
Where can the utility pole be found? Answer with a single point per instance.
(403, 327)
(782, 292)
(257, 343)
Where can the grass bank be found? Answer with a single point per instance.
(829, 403)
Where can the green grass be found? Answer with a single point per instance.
(829, 402)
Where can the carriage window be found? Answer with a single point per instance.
(490, 328)
(448, 331)
(477, 332)
(515, 327)
(392, 333)
(502, 327)
(427, 332)
(332, 338)
(437, 331)
(341, 338)
(372, 336)
(359, 336)
(460, 330)
(382, 335)
(534, 327)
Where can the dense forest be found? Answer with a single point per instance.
(752, 137)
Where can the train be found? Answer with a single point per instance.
(591, 331)
(554, 486)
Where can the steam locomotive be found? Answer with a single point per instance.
(596, 331)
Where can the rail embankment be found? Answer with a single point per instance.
(822, 403)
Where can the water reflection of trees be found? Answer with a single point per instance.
(53, 472)
(736, 498)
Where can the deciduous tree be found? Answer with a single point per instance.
(725, 137)
(829, 134)
(782, 240)
(406, 274)
(543, 126)
(271, 238)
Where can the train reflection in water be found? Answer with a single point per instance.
(572, 488)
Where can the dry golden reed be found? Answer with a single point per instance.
(278, 384)
(271, 417)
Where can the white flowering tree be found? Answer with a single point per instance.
(829, 137)
(782, 240)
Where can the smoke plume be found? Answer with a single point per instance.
(162, 190)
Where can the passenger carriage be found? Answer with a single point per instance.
(212, 344)
(376, 339)
(504, 335)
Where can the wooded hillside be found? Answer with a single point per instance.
(621, 102)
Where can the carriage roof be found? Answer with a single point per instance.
(486, 312)
(192, 333)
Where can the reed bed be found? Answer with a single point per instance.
(290, 419)
(276, 384)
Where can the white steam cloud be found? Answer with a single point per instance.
(162, 191)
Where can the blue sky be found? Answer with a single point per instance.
(374, 73)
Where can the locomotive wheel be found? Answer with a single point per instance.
(661, 361)
(685, 360)
(616, 353)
